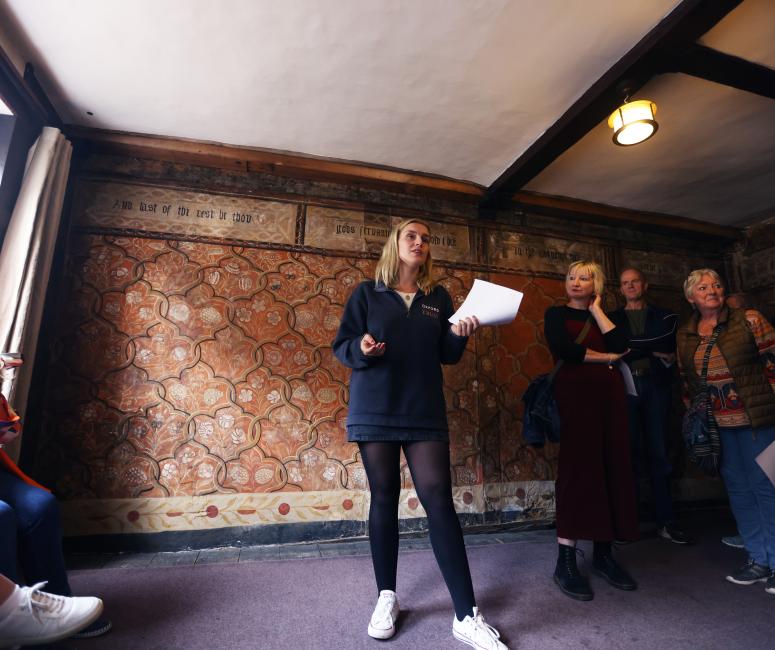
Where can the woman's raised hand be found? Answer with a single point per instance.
(465, 326)
(370, 347)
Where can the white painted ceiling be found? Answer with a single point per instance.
(710, 160)
(713, 157)
(459, 88)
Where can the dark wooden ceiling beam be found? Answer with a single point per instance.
(712, 65)
(17, 94)
(31, 80)
(565, 207)
(681, 28)
(278, 163)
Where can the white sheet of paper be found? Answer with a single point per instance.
(491, 303)
(766, 460)
(629, 382)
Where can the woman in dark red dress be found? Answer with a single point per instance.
(595, 491)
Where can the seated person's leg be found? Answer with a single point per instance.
(40, 544)
(8, 557)
(39, 533)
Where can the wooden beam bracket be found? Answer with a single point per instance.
(709, 64)
(679, 30)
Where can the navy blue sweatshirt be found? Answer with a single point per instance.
(403, 387)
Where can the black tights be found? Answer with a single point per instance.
(429, 464)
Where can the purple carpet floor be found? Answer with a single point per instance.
(683, 601)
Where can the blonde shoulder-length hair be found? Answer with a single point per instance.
(594, 269)
(390, 262)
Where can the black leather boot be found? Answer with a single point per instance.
(603, 564)
(567, 575)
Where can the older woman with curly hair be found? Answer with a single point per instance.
(724, 352)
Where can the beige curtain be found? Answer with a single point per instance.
(25, 260)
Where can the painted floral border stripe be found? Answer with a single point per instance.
(109, 516)
(532, 499)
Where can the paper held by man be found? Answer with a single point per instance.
(491, 303)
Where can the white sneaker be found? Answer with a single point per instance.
(476, 633)
(383, 621)
(40, 617)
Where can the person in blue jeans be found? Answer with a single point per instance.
(651, 359)
(728, 350)
(31, 537)
(30, 530)
(30, 534)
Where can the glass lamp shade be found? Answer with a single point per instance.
(634, 122)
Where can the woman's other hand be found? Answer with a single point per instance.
(370, 347)
(466, 326)
(613, 357)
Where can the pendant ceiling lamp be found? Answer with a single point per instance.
(633, 122)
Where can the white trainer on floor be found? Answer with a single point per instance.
(39, 617)
(383, 621)
(474, 631)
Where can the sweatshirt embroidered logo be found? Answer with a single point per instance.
(432, 312)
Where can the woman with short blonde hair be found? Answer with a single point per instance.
(595, 490)
(594, 270)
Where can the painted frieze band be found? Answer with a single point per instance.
(661, 268)
(536, 254)
(184, 213)
(363, 231)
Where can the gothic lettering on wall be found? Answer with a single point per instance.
(151, 209)
(346, 230)
(450, 242)
(179, 212)
(662, 268)
(357, 230)
(531, 253)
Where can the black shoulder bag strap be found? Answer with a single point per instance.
(713, 433)
(579, 339)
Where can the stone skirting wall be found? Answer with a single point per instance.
(191, 384)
